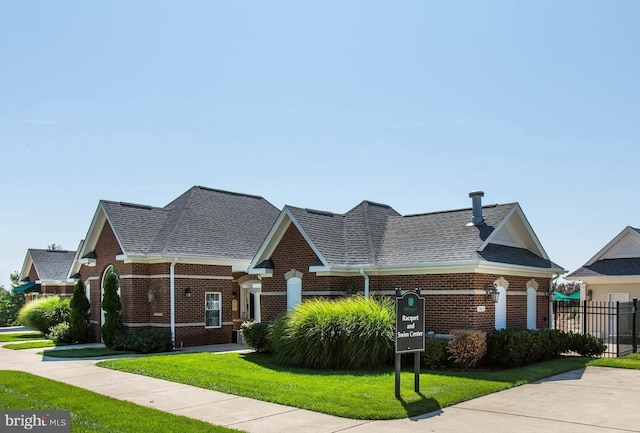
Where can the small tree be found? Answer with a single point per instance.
(79, 317)
(113, 323)
(10, 304)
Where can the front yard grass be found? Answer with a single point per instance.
(21, 336)
(91, 412)
(349, 394)
(30, 345)
(630, 361)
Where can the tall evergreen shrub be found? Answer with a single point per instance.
(113, 322)
(79, 317)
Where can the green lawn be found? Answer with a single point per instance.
(630, 361)
(29, 345)
(21, 336)
(350, 394)
(88, 352)
(91, 412)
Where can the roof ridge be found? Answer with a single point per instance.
(241, 194)
(180, 218)
(457, 210)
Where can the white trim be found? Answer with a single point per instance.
(516, 210)
(219, 310)
(293, 273)
(275, 235)
(237, 265)
(465, 292)
(186, 277)
(627, 230)
(608, 279)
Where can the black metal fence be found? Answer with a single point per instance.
(616, 323)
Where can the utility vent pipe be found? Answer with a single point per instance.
(476, 198)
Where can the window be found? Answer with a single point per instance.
(294, 293)
(212, 310)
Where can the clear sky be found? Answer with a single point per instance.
(323, 105)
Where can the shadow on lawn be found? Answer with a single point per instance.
(269, 361)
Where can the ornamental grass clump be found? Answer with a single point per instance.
(43, 313)
(347, 333)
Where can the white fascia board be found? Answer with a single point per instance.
(518, 211)
(75, 266)
(470, 267)
(87, 262)
(26, 265)
(618, 279)
(273, 238)
(237, 265)
(606, 248)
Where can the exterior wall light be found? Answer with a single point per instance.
(153, 294)
(490, 291)
(187, 292)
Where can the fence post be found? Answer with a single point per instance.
(617, 329)
(634, 331)
(584, 317)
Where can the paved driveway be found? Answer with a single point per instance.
(593, 400)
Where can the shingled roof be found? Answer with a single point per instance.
(202, 222)
(609, 267)
(51, 265)
(375, 235)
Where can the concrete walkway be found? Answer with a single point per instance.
(584, 401)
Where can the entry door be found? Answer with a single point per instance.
(613, 298)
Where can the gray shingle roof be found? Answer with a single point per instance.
(376, 235)
(202, 222)
(52, 265)
(609, 267)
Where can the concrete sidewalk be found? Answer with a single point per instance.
(583, 401)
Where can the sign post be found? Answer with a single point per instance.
(410, 333)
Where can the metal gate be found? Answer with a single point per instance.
(616, 323)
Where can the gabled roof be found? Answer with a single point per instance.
(50, 265)
(201, 223)
(375, 236)
(620, 257)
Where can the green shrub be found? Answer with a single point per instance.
(509, 348)
(435, 355)
(113, 322)
(347, 333)
(586, 345)
(256, 335)
(147, 341)
(79, 315)
(467, 347)
(43, 313)
(60, 333)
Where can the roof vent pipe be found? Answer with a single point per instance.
(476, 197)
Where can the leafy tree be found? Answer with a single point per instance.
(79, 317)
(113, 322)
(10, 302)
(54, 247)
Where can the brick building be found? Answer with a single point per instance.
(181, 267)
(461, 259)
(45, 272)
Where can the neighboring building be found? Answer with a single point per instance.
(457, 258)
(44, 273)
(613, 274)
(181, 267)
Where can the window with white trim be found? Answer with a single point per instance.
(213, 310)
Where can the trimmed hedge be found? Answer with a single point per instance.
(346, 333)
(147, 341)
(256, 335)
(436, 355)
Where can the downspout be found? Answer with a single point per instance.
(172, 302)
(551, 282)
(366, 282)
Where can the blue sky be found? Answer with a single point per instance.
(323, 105)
